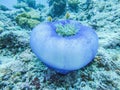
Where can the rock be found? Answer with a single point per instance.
(57, 8)
(28, 19)
(34, 14)
(4, 8)
(17, 39)
(32, 23)
(22, 5)
(1, 26)
(1, 29)
(73, 5)
(30, 3)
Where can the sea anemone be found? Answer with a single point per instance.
(64, 45)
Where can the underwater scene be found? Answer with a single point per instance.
(59, 44)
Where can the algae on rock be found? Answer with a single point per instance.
(32, 23)
(28, 19)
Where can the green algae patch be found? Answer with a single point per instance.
(34, 14)
(28, 19)
(32, 23)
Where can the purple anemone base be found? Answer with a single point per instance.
(64, 54)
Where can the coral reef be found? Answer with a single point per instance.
(22, 5)
(21, 70)
(1, 26)
(28, 19)
(73, 5)
(4, 8)
(57, 8)
(13, 39)
(30, 3)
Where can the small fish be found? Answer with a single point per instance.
(49, 18)
(67, 15)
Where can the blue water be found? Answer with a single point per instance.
(9, 3)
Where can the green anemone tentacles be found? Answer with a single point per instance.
(66, 30)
